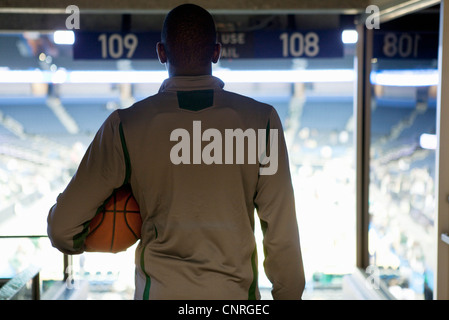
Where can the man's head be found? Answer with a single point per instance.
(188, 41)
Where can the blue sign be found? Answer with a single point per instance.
(235, 45)
(115, 45)
(405, 45)
(298, 44)
(281, 44)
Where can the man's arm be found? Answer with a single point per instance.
(101, 170)
(275, 205)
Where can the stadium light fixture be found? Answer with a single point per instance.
(428, 141)
(385, 78)
(64, 37)
(349, 36)
(405, 78)
(267, 76)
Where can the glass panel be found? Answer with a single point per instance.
(402, 155)
(17, 254)
(401, 239)
(109, 276)
(317, 119)
(317, 116)
(320, 137)
(401, 193)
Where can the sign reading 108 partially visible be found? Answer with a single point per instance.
(405, 45)
(235, 45)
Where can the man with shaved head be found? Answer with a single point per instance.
(183, 153)
(188, 41)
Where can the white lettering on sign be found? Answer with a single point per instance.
(232, 38)
(114, 45)
(297, 44)
(229, 52)
(404, 45)
(229, 40)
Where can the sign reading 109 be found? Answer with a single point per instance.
(118, 46)
(115, 45)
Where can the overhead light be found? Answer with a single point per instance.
(228, 76)
(289, 76)
(22, 76)
(405, 78)
(428, 141)
(349, 36)
(42, 57)
(116, 76)
(59, 76)
(64, 37)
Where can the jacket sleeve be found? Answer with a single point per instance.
(275, 205)
(101, 170)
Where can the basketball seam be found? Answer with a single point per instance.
(103, 212)
(126, 218)
(113, 221)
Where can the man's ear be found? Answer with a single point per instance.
(161, 54)
(217, 52)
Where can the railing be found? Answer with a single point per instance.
(24, 286)
(361, 286)
(27, 284)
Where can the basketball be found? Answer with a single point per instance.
(117, 226)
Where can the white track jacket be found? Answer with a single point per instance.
(198, 192)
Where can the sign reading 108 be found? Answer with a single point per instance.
(403, 45)
(297, 44)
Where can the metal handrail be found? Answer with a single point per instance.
(5, 290)
(22, 236)
(16, 284)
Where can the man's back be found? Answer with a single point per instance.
(197, 205)
(199, 161)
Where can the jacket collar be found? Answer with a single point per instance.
(189, 83)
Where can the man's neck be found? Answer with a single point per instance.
(190, 72)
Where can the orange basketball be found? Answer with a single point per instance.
(117, 226)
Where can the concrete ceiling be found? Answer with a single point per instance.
(216, 6)
(162, 6)
(48, 15)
